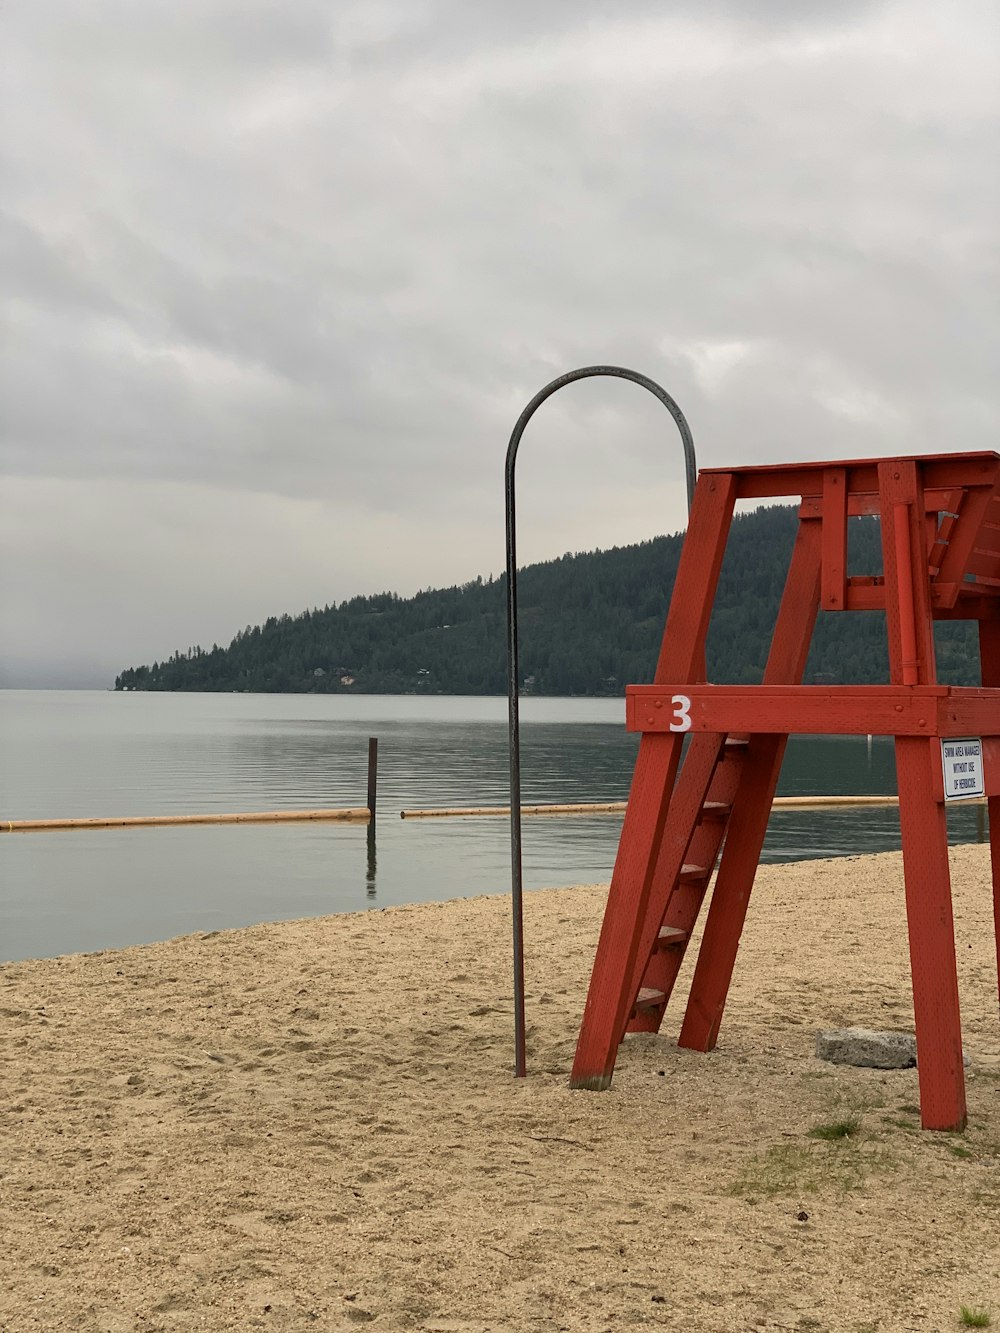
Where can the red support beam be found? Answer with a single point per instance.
(989, 657)
(681, 656)
(834, 568)
(844, 710)
(752, 804)
(932, 937)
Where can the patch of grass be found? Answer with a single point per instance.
(836, 1129)
(899, 1122)
(959, 1150)
(974, 1316)
(806, 1168)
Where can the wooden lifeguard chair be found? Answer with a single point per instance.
(940, 528)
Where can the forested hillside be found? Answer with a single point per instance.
(590, 624)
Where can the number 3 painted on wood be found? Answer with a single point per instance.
(681, 720)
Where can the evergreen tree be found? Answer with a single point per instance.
(589, 624)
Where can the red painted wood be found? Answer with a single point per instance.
(946, 516)
(940, 521)
(966, 712)
(977, 463)
(883, 710)
(731, 895)
(834, 569)
(752, 805)
(975, 602)
(609, 998)
(687, 895)
(965, 538)
(989, 656)
(909, 627)
(921, 816)
(682, 650)
(932, 937)
(865, 595)
(651, 967)
(991, 764)
(936, 500)
(941, 472)
(909, 659)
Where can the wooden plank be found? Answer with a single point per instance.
(989, 657)
(941, 472)
(931, 937)
(981, 462)
(965, 537)
(807, 709)
(909, 625)
(834, 564)
(974, 602)
(947, 514)
(682, 650)
(968, 711)
(868, 596)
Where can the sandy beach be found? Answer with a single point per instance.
(313, 1125)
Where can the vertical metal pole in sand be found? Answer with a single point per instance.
(513, 675)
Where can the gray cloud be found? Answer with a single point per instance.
(289, 274)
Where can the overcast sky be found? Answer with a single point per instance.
(281, 277)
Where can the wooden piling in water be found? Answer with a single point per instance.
(372, 774)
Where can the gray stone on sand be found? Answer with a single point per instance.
(867, 1048)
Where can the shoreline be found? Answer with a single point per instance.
(315, 1124)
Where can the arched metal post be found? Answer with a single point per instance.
(517, 886)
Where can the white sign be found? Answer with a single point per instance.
(962, 761)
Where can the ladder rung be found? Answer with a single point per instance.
(670, 936)
(648, 999)
(692, 874)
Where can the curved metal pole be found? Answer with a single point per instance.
(517, 886)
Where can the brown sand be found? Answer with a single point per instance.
(314, 1125)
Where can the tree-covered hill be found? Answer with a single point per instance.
(590, 624)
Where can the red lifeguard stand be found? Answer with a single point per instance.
(940, 526)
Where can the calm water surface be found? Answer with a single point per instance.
(86, 753)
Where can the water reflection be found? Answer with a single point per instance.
(103, 754)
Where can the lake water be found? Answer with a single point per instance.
(91, 753)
